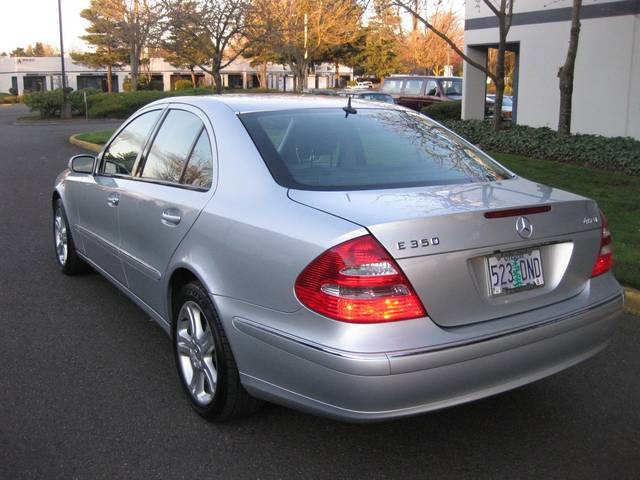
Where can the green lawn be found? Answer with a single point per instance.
(99, 136)
(618, 195)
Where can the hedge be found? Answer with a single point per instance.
(121, 105)
(439, 111)
(620, 154)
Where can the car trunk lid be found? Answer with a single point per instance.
(441, 238)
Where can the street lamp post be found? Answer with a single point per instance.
(65, 111)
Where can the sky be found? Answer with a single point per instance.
(37, 21)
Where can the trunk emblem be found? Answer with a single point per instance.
(421, 242)
(524, 227)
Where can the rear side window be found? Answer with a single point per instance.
(392, 85)
(413, 87)
(322, 149)
(432, 88)
(180, 152)
(120, 156)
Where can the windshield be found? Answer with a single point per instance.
(323, 149)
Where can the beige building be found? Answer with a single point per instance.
(44, 73)
(606, 96)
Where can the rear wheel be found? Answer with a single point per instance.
(204, 360)
(64, 247)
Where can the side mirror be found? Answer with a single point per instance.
(82, 163)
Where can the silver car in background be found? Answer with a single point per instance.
(355, 261)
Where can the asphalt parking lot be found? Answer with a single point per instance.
(88, 387)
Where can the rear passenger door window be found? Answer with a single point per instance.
(172, 146)
(120, 156)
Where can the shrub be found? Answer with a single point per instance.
(183, 85)
(47, 103)
(77, 99)
(448, 110)
(121, 105)
(621, 154)
(13, 91)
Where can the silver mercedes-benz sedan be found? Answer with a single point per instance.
(347, 258)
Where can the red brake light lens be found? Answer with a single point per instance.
(358, 281)
(604, 262)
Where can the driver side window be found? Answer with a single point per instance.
(121, 155)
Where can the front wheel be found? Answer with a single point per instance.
(65, 249)
(204, 360)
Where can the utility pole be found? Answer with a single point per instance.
(65, 111)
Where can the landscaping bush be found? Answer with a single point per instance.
(47, 103)
(13, 91)
(9, 99)
(448, 110)
(183, 85)
(121, 105)
(621, 154)
(77, 99)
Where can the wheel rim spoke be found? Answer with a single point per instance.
(206, 342)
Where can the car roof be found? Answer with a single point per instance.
(245, 103)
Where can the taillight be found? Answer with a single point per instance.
(604, 262)
(358, 281)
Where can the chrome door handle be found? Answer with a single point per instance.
(171, 217)
(113, 199)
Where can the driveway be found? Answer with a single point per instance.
(88, 387)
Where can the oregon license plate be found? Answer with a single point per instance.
(513, 271)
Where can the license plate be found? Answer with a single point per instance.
(514, 271)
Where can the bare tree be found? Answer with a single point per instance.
(209, 33)
(302, 32)
(565, 73)
(503, 11)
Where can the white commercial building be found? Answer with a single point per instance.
(606, 94)
(29, 74)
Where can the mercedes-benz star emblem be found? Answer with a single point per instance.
(524, 227)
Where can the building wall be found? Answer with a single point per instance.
(606, 97)
(51, 69)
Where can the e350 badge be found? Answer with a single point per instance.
(417, 243)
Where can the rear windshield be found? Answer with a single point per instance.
(323, 149)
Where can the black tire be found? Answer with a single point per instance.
(228, 399)
(70, 263)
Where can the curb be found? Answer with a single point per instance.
(632, 300)
(92, 147)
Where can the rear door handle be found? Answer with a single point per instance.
(113, 199)
(171, 217)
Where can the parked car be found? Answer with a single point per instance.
(368, 95)
(417, 91)
(356, 261)
(361, 84)
(507, 106)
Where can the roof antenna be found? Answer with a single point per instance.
(349, 109)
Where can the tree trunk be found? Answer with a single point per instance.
(193, 77)
(565, 73)
(262, 75)
(109, 80)
(337, 82)
(300, 72)
(135, 68)
(217, 80)
(499, 80)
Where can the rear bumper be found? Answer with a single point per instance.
(369, 387)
